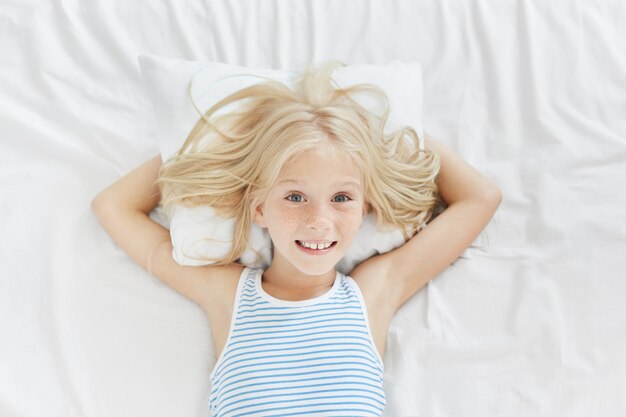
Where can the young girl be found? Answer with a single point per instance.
(300, 338)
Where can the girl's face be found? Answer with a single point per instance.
(314, 211)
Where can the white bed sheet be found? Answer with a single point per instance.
(532, 93)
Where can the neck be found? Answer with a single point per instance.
(287, 282)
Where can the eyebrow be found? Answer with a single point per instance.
(292, 181)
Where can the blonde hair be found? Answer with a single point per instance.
(232, 161)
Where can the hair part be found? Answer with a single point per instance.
(230, 162)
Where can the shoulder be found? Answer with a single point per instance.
(209, 286)
(371, 277)
(222, 285)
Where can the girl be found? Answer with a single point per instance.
(300, 338)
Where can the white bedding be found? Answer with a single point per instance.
(532, 93)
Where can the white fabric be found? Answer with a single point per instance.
(529, 92)
(198, 234)
(170, 82)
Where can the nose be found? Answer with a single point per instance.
(318, 217)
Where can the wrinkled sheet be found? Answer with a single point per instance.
(531, 93)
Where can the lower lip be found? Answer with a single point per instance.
(316, 251)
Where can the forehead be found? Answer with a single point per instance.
(335, 182)
(320, 165)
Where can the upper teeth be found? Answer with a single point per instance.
(316, 245)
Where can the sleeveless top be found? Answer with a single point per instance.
(312, 357)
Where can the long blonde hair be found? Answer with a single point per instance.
(232, 161)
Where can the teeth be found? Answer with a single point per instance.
(315, 246)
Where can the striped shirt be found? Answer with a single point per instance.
(312, 357)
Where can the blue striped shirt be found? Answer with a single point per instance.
(312, 357)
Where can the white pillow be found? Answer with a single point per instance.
(197, 232)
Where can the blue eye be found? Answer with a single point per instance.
(298, 198)
(342, 198)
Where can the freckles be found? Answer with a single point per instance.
(346, 219)
(288, 216)
(350, 219)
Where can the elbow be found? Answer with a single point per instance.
(495, 193)
(101, 204)
(98, 208)
(493, 196)
(97, 202)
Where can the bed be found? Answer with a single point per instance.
(531, 323)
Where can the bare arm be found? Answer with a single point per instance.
(472, 200)
(122, 209)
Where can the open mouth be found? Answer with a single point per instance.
(316, 247)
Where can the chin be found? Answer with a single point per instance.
(316, 268)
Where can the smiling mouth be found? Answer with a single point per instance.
(321, 246)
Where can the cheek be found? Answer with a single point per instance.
(353, 220)
(285, 217)
(350, 220)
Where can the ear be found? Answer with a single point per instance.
(366, 209)
(258, 210)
